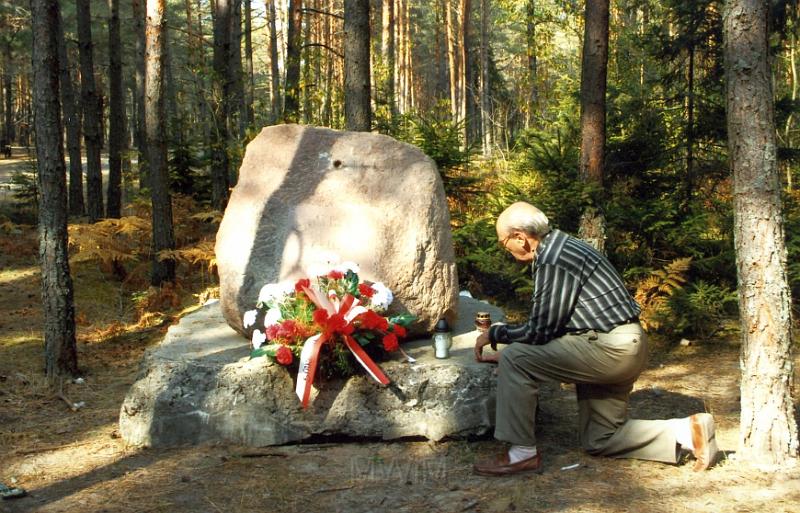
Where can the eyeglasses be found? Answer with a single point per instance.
(503, 242)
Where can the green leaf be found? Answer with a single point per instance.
(351, 282)
(361, 338)
(255, 353)
(404, 319)
(267, 350)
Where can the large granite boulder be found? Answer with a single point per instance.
(199, 385)
(305, 193)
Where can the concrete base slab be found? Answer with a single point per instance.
(200, 385)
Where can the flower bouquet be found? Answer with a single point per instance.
(324, 324)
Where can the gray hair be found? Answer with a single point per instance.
(531, 221)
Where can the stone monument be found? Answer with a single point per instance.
(306, 192)
(302, 193)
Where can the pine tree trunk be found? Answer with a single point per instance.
(689, 181)
(388, 56)
(72, 122)
(57, 292)
(768, 431)
(237, 112)
(249, 113)
(357, 114)
(593, 91)
(116, 122)
(327, 103)
(2, 102)
(291, 102)
(452, 71)
(306, 71)
(593, 116)
(273, 62)
(138, 98)
(219, 157)
(400, 45)
(163, 236)
(194, 49)
(438, 51)
(408, 59)
(8, 130)
(530, 24)
(486, 107)
(173, 126)
(318, 53)
(465, 68)
(92, 113)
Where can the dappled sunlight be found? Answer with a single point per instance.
(92, 449)
(19, 340)
(10, 275)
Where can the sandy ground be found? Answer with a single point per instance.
(23, 162)
(74, 461)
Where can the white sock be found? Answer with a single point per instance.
(682, 428)
(521, 452)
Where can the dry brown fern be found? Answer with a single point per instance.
(111, 243)
(653, 292)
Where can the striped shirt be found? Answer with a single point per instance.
(575, 289)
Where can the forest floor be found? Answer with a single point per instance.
(22, 162)
(75, 461)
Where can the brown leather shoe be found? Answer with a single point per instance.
(704, 441)
(499, 466)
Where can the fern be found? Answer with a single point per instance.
(200, 253)
(654, 291)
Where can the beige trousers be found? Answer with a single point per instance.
(603, 367)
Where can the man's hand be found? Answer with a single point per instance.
(480, 343)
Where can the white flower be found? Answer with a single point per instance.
(274, 292)
(347, 266)
(258, 339)
(382, 296)
(273, 317)
(249, 318)
(315, 270)
(324, 262)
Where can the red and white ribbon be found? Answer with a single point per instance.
(350, 308)
(309, 359)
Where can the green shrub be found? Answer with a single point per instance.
(700, 310)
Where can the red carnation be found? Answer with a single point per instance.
(289, 329)
(390, 342)
(336, 275)
(365, 290)
(336, 323)
(372, 321)
(398, 330)
(301, 284)
(273, 331)
(284, 355)
(320, 316)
